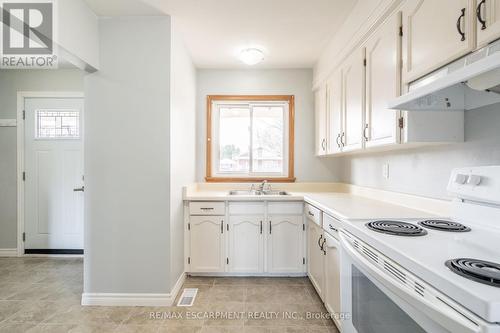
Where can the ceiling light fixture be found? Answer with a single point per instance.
(251, 56)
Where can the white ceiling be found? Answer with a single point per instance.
(122, 8)
(292, 33)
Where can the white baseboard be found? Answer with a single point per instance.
(8, 122)
(134, 299)
(8, 252)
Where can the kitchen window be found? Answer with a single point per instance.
(250, 138)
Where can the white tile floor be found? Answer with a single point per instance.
(43, 295)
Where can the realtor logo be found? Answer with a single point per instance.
(27, 34)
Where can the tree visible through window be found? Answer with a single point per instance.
(250, 138)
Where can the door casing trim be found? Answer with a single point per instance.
(21, 96)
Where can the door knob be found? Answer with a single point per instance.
(79, 189)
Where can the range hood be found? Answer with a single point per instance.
(468, 83)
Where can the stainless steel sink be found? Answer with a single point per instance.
(257, 192)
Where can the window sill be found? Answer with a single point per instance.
(249, 179)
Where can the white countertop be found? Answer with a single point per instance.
(346, 206)
(335, 201)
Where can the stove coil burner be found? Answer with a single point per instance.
(397, 228)
(477, 270)
(444, 225)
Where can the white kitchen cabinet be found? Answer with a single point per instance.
(383, 83)
(246, 244)
(488, 21)
(249, 237)
(436, 33)
(335, 119)
(332, 277)
(284, 244)
(321, 120)
(206, 244)
(315, 254)
(353, 81)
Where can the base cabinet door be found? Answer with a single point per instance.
(207, 244)
(315, 257)
(284, 244)
(332, 277)
(436, 33)
(246, 244)
(488, 21)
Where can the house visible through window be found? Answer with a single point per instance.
(249, 138)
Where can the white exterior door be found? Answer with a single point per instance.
(383, 81)
(246, 244)
(206, 244)
(53, 173)
(436, 33)
(488, 21)
(284, 245)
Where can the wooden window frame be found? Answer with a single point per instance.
(291, 138)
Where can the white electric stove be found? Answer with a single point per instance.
(421, 275)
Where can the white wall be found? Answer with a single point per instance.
(127, 147)
(182, 145)
(78, 31)
(425, 171)
(296, 82)
(12, 81)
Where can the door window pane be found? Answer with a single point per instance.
(234, 139)
(267, 139)
(53, 124)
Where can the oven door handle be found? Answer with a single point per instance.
(441, 314)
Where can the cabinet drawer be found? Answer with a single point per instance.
(246, 208)
(331, 225)
(313, 214)
(207, 208)
(285, 208)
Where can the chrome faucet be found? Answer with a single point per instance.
(262, 185)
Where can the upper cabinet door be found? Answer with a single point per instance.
(436, 33)
(320, 105)
(353, 77)
(488, 21)
(383, 82)
(334, 113)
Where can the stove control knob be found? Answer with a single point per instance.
(461, 179)
(474, 180)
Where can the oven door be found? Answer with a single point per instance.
(372, 301)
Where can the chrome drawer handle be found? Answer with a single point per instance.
(310, 214)
(333, 228)
(207, 208)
